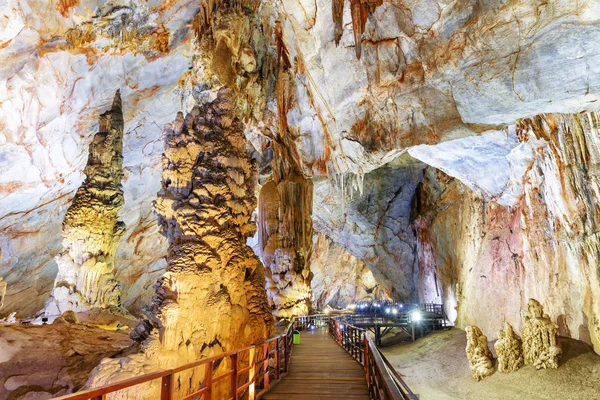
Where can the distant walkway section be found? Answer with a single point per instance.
(321, 369)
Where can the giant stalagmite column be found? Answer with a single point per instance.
(285, 220)
(211, 299)
(91, 229)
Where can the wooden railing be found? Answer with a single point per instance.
(252, 371)
(267, 363)
(383, 380)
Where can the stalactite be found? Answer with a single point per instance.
(360, 10)
(91, 229)
(338, 19)
(212, 296)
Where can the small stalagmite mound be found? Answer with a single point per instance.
(540, 338)
(509, 349)
(479, 355)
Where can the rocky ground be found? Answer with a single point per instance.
(38, 362)
(436, 368)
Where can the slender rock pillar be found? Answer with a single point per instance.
(91, 229)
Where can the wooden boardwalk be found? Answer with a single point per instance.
(321, 369)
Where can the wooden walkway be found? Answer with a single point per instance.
(320, 369)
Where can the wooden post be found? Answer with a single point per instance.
(413, 332)
(166, 388)
(277, 358)
(208, 374)
(252, 387)
(266, 366)
(234, 377)
(286, 360)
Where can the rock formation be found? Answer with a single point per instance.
(285, 215)
(211, 299)
(2, 291)
(481, 360)
(339, 278)
(509, 349)
(540, 338)
(91, 229)
(285, 234)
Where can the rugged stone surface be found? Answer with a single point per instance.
(489, 259)
(374, 225)
(91, 229)
(41, 362)
(509, 349)
(285, 218)
(339, 278)
(430, 71)
(480, 357)
(540, 338)
(212, 297)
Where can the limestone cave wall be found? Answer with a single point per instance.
(485, 260)
(339, 278)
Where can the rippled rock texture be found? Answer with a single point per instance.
(211, 299)
(91, 229)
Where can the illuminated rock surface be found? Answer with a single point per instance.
(456, 158)
(211, 299)
(91, 230)
(339, 278)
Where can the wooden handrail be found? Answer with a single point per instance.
(257, 369)
(382, 379)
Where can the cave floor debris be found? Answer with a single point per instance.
(320, 369)
(44, 361)
(436, 368)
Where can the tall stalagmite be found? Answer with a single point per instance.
(91, 229)
(211, 299)
(285, 219)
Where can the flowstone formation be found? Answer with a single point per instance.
(91, 228)
(211, 299)
(479, 355)
(509, 349)
(285, 234)
(540, 338)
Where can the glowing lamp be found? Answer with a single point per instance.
(416, 316)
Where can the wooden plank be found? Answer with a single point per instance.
(320, 369)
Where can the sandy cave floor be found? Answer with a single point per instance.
(436, 368)
(38, 362)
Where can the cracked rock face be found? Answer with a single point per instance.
(91, 229)
(211, 299)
